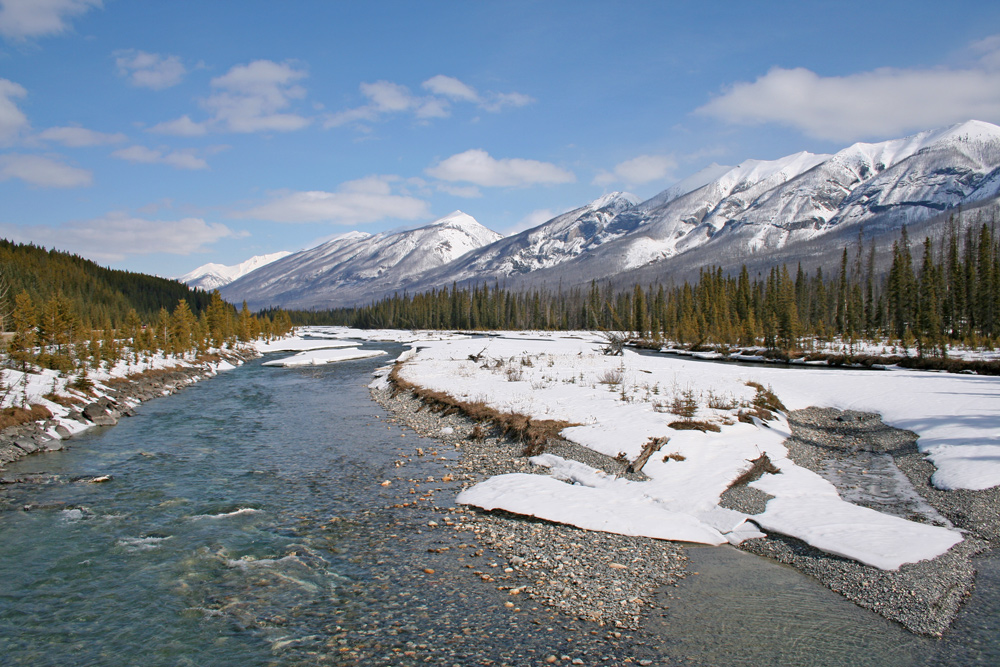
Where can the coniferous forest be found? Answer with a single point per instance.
(934, 294)
(64, 312)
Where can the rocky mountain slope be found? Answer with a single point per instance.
(352, 267)
(757, 212)
(212, 276)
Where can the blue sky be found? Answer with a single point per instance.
(158, 136)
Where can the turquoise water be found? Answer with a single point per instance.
(246, 523)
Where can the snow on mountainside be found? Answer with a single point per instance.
(769, 206)
(349, 268)
(212, 276)
(760, 211)
(560, 239)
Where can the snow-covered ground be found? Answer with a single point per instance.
(619, 403)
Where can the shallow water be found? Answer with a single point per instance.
(246, 523)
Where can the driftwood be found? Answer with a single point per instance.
(654, 445)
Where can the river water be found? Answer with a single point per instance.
(247, 523)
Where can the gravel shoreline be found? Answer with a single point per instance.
(592, 576)
(878, 466)
(601, 577)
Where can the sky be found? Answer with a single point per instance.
(158, 135)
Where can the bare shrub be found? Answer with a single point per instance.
(514, 374)
(721, 401)
(758, 466)
(766, 398)
(612, 376)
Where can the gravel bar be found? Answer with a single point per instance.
(878, 466)
(592, 576)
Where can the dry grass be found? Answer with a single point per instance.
(17, 416)
(533, 433)
(151, 374)
(65, 401)
(694, 425)
(674, 456)
(758, 466)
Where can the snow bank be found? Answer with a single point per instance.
(320, 357)
(617, 403)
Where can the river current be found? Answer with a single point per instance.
(247, 523)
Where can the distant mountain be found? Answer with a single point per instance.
(803, 207)
(352, 267)
(212, 276)
(560, 239)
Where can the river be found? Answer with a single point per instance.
(246, 522)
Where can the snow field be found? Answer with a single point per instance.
(618, 403)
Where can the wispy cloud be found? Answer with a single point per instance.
(118, 235)
(355, 202)
(43, 171)
(150, 70)
(180, 127)
(387, 97)
(875, 104)
(478, 167)
(638, 170)
(21, 19)
(254, 97)
(12, 119)
(182, 159)
(80, 137)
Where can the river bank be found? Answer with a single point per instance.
(614, 579)
(109, 399)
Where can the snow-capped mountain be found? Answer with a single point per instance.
(759, 213)
(560, 239)
(212, 276)
(775, 207)
(351, 267)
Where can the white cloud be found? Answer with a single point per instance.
(477, 166)
(355, 202)
(449, 86)
(180, 127)
(150, 70)
(80, 137)
(12, 120)
(877, 104)
(497, 101)
(386, 97)
(252, 97)
(184, 159)
(639, 170)
(118, 235)
(20, 19)
(42, 171)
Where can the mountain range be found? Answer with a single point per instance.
(804, 207)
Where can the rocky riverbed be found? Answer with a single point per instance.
(602, 577)
(111, 401)
(612, 578)
(878, 466)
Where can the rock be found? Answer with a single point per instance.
(63, 432)
(27, 444)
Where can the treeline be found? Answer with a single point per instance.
(932, 296)
(98, 296)
(51, 334)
